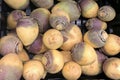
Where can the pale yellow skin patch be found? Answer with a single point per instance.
(67, 56)
(33, 70)
(10, 59)
(52, 39)
(9, 65)
(104, 26)
(71, 70)
(16, 4)
(111, 68)
(23, 55)
(27, 34)
(89, 55)
(38, 57)
(11, 22)
(92, 69)
(112, 45)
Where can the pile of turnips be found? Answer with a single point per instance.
(57, 44)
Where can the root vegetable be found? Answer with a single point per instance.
(33, 70)
(67, 56)
(43, 3)
(10, 44)
(96, 38)
(69, 7)
(72, 35)
(59, 20)
(52, 39)
(38, 57)
(106, 13)
(112, 45)
(37, 46)
(94, 68)
(27, 30)
(65, 0)
(53, 61)
(11, 67)
(44, 74)
(95, 23)
(15, 4)
(83, 54)
(41, 15)
(23, 55)
(13, 17)
(111, 68)
(89, 8)
(71, 71)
